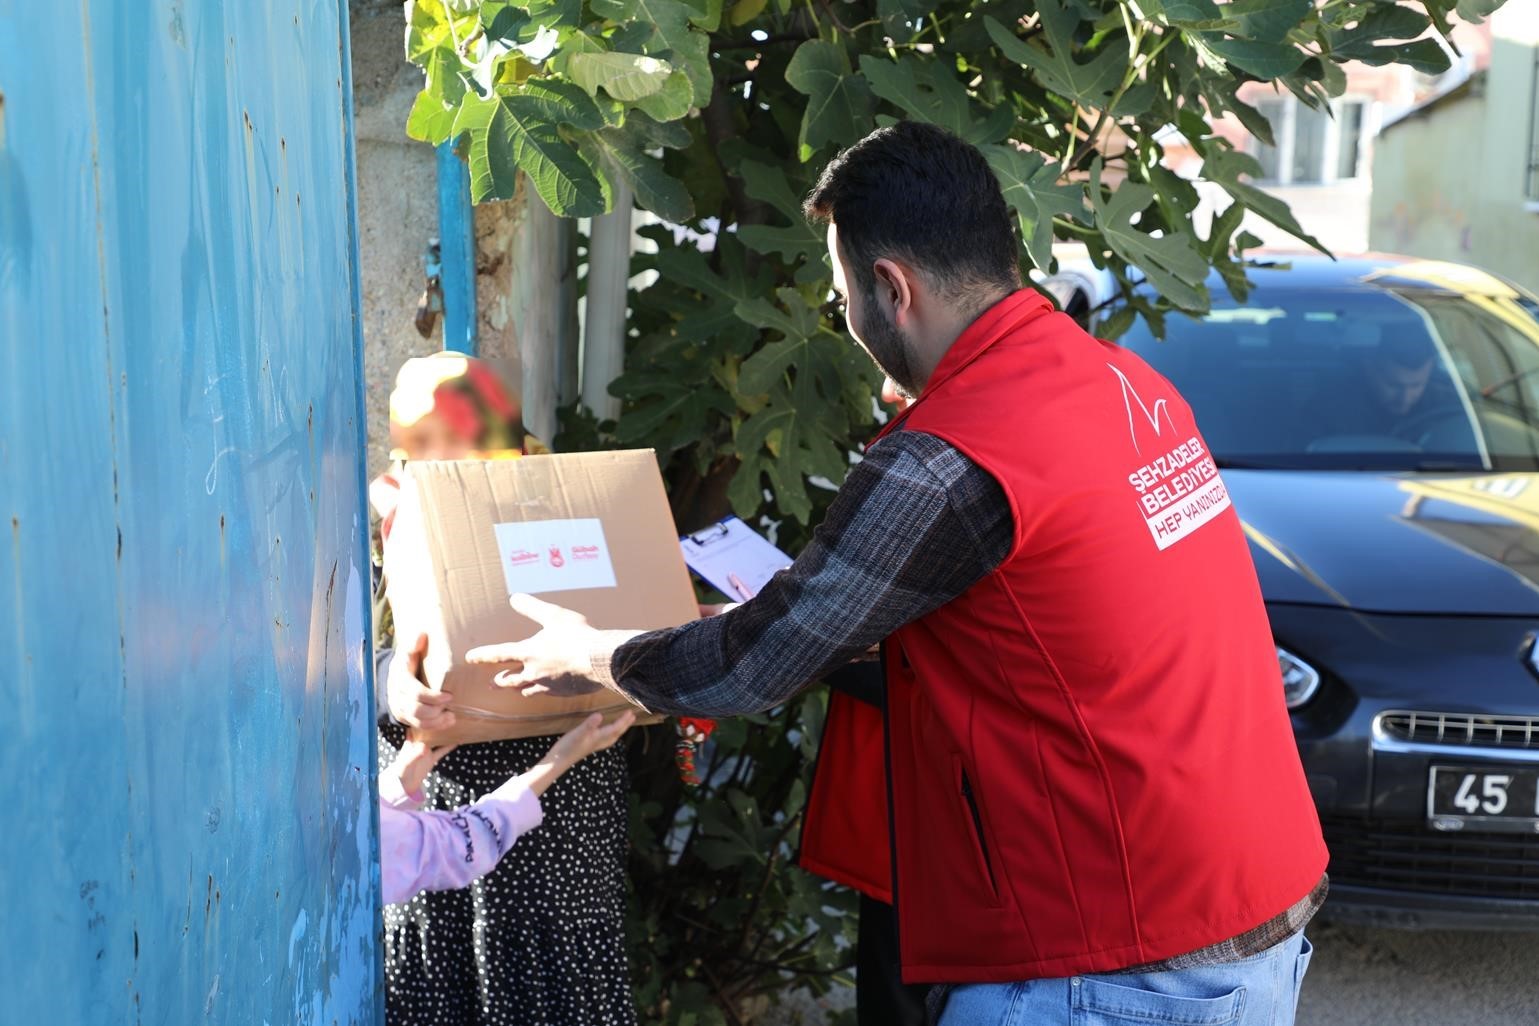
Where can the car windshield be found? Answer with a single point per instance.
(1374, 377)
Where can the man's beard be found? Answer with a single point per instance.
(884, 343)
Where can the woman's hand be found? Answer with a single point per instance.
(415, 761)
(411, 701)
(575, 745)
(588, 737)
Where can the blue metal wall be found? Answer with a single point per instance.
(185, 740)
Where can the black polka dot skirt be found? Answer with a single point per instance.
(539, 941)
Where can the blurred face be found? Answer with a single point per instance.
(1395, 388)
(870, 325)
(430, 438)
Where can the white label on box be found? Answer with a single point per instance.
(554, 555)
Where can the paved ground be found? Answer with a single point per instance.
(803, 1009)
(1363, 976)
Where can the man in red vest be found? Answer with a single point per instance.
(1097, 810)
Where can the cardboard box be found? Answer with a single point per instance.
(589, 531)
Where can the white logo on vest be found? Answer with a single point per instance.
(1180, 490)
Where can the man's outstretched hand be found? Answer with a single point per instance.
(557, 661)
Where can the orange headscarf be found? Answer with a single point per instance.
(467, 394)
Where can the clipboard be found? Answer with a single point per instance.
(733, 558)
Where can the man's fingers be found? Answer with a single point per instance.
(520, 681)
(511, 679)
(490, 655)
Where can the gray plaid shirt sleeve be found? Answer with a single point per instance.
(916, 524)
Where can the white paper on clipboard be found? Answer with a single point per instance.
(733, 558)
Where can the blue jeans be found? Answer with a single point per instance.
(1262, 990)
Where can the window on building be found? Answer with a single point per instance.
(1531, 179)
(1311, 128)
(1349, 152)
(1313, 146)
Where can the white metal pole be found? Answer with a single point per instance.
(537, 274)
(609, 270)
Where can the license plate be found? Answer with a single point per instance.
(1492, 799)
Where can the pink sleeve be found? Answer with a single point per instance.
(441, 851)
(393, 793)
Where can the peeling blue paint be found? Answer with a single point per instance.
(183, 590)
(457, 250)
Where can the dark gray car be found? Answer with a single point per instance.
(1378, 422)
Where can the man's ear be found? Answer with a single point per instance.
(895, 291)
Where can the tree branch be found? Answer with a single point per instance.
(1088, 146)
(1138, 63)
(829, 10)
(728, 1003)
(758, 898)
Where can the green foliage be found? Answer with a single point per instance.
(720, 917)
(838, 101)
(1032, 186)
(719, 115)
(1172, 261)
(1058, 63)
(529, 83)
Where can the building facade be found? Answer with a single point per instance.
(1457, 176)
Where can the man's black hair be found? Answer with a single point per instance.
(1408, 352)
(918, 194)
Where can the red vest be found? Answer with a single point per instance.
(1092, 765)
(845, 832)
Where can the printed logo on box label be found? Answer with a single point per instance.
(1179, 490)
(554, 555)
